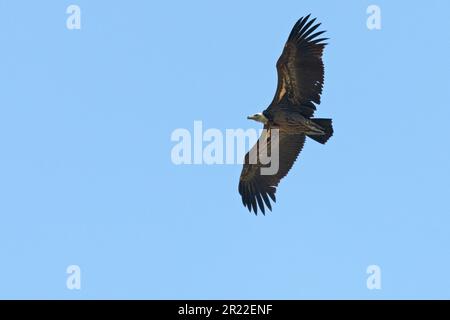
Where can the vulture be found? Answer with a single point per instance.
(300, 72)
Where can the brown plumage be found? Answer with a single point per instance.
(300, 80)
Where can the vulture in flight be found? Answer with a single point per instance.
(300, 80)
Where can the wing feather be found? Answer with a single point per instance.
(255, 188)
(300, 68)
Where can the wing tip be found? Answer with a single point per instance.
(303, 28)
(253, 198)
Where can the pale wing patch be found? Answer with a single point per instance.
(282, 91)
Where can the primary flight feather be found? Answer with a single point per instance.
(300, 80)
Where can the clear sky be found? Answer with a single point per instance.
(86, 176)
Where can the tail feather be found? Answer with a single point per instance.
(327, 126)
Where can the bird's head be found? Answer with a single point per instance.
(258, 117)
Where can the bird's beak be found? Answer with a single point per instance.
(250, 118)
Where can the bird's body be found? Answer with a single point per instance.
(292, 121)
(300, 80)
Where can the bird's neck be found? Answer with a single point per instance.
(263, 119)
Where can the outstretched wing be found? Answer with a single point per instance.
(255, 188)
(300, 68)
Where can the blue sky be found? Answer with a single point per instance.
(86, 176)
